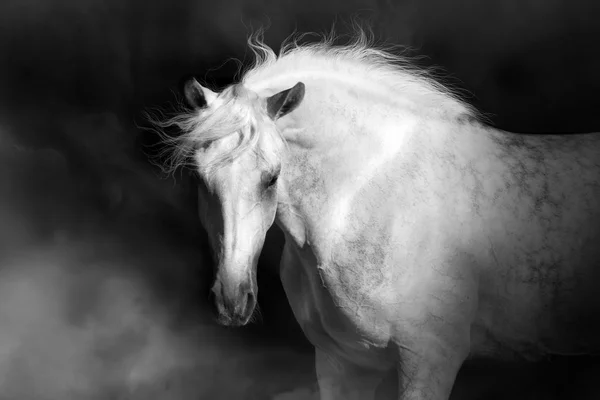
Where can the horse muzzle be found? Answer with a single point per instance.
(235, 304)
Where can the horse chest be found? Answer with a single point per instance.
(323, 321)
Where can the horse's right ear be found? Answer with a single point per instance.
(196, 95)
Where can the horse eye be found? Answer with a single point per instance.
(272, 181)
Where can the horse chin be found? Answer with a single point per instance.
(233, 322)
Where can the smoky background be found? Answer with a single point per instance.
(104, 269)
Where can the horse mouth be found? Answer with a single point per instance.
(231, 322)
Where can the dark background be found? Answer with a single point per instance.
(104, 269)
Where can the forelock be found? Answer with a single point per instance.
(237, 110)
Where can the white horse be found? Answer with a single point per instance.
(416, 236)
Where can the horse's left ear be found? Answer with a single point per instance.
(285, 102)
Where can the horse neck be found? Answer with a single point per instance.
(337, 136)
(339, 115)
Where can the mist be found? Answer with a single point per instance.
(104, 268)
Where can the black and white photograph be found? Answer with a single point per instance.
(299, 200)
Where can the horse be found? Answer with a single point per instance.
(417, 235)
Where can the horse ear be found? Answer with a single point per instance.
(196, 95)
(285, 102)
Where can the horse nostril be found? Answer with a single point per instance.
(250, 303)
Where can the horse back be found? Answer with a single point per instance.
(541, 266)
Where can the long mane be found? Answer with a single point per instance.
(360, 57)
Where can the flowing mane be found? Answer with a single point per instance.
(360, 59)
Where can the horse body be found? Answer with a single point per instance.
(482, 230)
(415, 237)
(538, 280)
